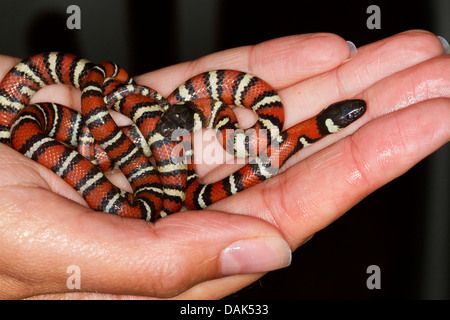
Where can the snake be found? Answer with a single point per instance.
(80, 147)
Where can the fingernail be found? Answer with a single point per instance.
(353, 50)
(255, 255)
(445, 45)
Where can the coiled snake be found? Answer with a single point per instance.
(79, 147)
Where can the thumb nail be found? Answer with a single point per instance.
(255, 255)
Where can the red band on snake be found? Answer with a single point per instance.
(80, 147)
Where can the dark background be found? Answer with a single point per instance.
(403, 227)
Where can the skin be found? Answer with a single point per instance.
(46, 226)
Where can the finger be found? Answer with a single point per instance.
(315, 192)
(208, 290)
(418, 83)
(281, 62)
(371, 64)
(423, 79)
(125, 256)
(415, 84)
(6, 63)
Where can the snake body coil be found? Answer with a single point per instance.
(79, 147)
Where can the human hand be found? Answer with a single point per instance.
(401, 78)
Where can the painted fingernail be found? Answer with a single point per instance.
(445, 45)
(255, 255)
(353, 50)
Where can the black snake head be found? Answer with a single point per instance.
(179, 119)
(339, 115)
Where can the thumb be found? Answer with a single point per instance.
(206, 245)
(87, 252)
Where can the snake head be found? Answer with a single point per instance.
(179, 118)
(339, 115)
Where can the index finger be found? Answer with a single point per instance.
(281, 62)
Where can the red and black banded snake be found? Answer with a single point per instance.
(79, 147)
